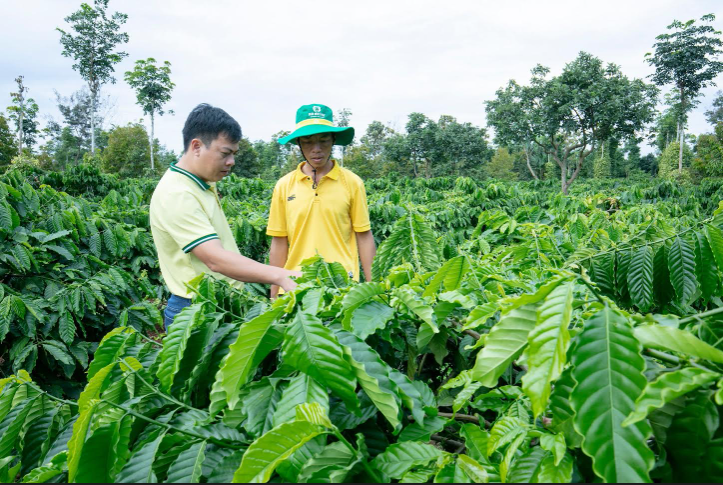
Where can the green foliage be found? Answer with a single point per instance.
(709, 154)
(128, 151)
(687, 57)
(668, 164)
(547, 112)
(152, 84)
(501, 165)
(70, 270)
(23, 113)
(412, 241)
(153, 89)
(608, 369)
(7, 143)
(602, 167)
(501, 340)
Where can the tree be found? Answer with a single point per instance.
(568, 115)
(398, 155)
(688, 59)
(500, 167)
(462, 148)
(153, 89)
(343, 117)
(70, 137)
(529, 159)
(667, 128)
(93, 48)
(709, 153)
(649, 164)
(7, 143)
(128, 151)
(248, 163)
(23, 112)
(602, 166)
(421, 136)
(715, 114)
(377, 133)
(632, 155)
(668, 164)
(359, 160)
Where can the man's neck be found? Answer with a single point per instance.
(309, 170)
(186, 164)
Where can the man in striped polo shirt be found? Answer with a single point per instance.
(190, 230)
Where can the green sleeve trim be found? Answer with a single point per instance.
(198, 241)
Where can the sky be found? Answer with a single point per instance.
(381, 59)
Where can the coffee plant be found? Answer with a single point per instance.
(509, 334)
(70, 270)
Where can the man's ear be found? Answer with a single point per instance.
(196, 145)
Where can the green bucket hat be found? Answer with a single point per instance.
(317, 118)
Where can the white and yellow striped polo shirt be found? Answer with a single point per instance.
(185, 212)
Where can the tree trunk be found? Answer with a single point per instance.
(20, 129)
(529, 165)
(153, 167)
(680, 156)
(677, 131)
(92, 122)
(682, 129)
(563, 170)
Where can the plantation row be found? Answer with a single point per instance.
(510, 334)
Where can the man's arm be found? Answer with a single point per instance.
(278, 254)
(241, 268)
(367, 251)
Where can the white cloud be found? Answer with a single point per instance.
(381, 59)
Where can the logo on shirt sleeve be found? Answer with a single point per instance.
(291, 197)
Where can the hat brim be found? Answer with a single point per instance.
(344, 134)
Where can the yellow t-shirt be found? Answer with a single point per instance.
(185, 212)
(323, 220)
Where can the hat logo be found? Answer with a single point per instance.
(317, 109)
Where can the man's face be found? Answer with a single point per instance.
(317, 149)
(216, 159)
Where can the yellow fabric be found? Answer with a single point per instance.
(183, 215)
(304, 123)
(322, 221)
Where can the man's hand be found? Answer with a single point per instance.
(241, 268)
(287, 283)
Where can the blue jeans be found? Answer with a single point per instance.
(174, 307)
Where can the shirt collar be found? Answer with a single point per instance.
(195, 178)
(333, 174)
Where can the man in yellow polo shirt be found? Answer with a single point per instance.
(320, 208)
(190, 230)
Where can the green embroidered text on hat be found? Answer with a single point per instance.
(312, 119)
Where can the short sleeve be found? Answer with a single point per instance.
(187, 223)
(359, 210)
(277, 214)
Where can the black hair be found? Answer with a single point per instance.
(207, 123)
(298, 142)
